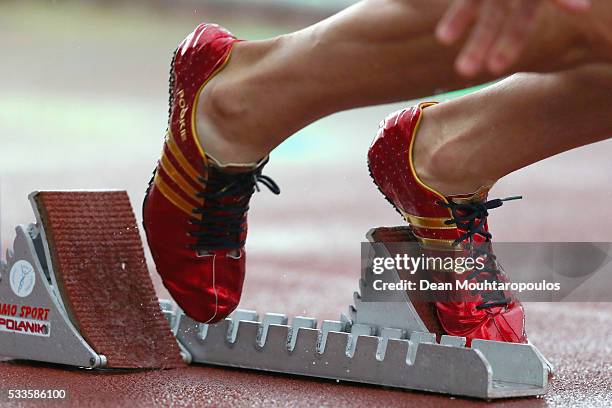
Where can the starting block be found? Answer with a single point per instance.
(75, 288)
(71, 276)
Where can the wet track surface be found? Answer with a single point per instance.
(583, 377)
(318, 281)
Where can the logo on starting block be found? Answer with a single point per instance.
(22, 278)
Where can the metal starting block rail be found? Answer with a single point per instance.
(356, 352)
(378, 343)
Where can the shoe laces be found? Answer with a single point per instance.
(225, 202)
(471, 219)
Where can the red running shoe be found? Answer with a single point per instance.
(195, 211)
(440, 222)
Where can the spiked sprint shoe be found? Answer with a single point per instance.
(195, 210)
(446, 223)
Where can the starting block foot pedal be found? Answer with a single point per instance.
(75, 289)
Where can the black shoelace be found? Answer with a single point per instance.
(472, 218)
(225, 204)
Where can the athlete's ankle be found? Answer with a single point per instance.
(229, 110)
(441, 158)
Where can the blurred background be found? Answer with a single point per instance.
(83, 105)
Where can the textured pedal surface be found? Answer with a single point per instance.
(426, 310)
(99, 262)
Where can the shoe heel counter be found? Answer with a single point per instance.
(387, 139)
(202, 51)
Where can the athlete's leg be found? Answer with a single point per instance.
(474, 140)
(375, 52)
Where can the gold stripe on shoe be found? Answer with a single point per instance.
(180, 158)
(173, 197)
(176, 176)
(478, 195)
(428, 222)
(439, 244)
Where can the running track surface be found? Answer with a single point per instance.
(303, 246)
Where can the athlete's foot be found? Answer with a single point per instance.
(195, 209)
(442, 221)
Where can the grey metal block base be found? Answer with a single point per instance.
(347, 352)
(37, 326)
